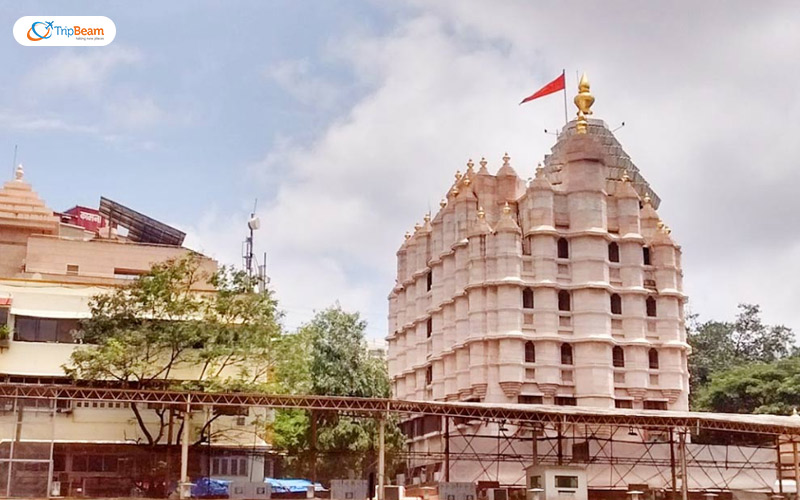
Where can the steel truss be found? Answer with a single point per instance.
(528, 414)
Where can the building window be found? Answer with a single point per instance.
(563, 248)
(651, 307)
(566, 354)
(623, 403)
(3, 316)
(618, 357)
(646, 256)
(429, 328)
(526, 246)
(527, 298)
(566, 401)
(429, 375)
(652, 357)
(30, 329)
(655, 405)
(613, 252)
(529, 400)
(72, 269)
(616, 304)
(429, 281)
(229, 466)
(530, 352)
(564, 301)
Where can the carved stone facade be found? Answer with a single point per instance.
(566, 288)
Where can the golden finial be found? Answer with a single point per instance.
(506, 159)
(481, 213)
(467, 180)
(408, 235)
(507, 209)
(458, 175)
(19, 173)
(668, 230)
(455, 191)
(625, 176)
(483, 162)
(646, 199)
(660, 224)
(417, 226)
(427, 217)
(443, 203)
(583, 101)
(470, 164)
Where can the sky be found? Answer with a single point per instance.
(346, 121)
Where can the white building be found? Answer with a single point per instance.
(50, 266)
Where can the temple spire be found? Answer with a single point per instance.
(583, 101)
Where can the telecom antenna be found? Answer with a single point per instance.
(256, 273)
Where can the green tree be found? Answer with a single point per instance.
(336, 363)
(162, 330)
(772, 388)
(720, 345)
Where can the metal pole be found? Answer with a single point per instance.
(672, 464)
(447, 449)
(184, 486)
(381, 456)
(566, 117)
(780, 464)
(560, 446)
(18, 410)
(314, 447)
(52, 446)
(684, 474)
(796, 468)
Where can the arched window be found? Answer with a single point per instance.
(429, 327)
(564, 301)
(618, 357)
(530, 352)
(566, 354)
(563, 248)
(527, 298)
(646, 256)
(652, 357)
(651, 307)
(613, 252)
(616, 304)
(429, 375)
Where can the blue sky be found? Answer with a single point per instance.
(347, 120)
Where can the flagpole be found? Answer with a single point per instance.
(566, 117)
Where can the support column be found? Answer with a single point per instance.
(796, 461)
(779, 464)
(447, 449)
(185, 487)
(672, 464)
(381, 456)
(684, 473)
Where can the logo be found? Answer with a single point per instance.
(36, 36)
(64, 30)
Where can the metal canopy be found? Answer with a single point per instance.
(529, 414)
(141, 228)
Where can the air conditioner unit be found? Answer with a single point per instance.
(497, 494)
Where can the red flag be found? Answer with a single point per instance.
(554, 86)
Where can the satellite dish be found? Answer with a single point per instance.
(254, 223)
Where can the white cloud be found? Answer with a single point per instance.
(136, 112)
(297, 78)
(80, 72)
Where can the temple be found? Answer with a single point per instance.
(562, 290)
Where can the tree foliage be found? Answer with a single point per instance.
(772, 388)
(160, 331)
(721, 345)
(333, 352)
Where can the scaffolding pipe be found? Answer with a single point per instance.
(447, 449)
(684, 472)
(381, 456)
(779, 464)
(672, 464)
(796, 461)
(185, 486)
